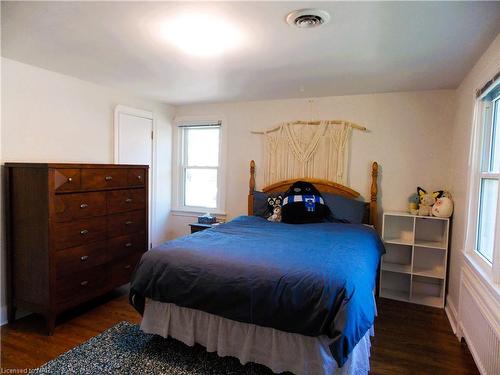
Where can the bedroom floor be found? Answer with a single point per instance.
(409, 339)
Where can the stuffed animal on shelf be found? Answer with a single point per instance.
(275, 204)
(443, 206)
(427, 201)
(413, 201)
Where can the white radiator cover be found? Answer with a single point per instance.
(479, 322)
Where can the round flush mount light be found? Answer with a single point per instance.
(307, 18)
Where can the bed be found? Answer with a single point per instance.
(293, 297)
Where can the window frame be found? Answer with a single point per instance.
(482, 124)
(179, 161)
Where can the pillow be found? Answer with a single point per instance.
(302, 204)
(260, 204)
(344, 209)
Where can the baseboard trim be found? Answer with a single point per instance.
(3, 315)
(20, 313)
(452, 314)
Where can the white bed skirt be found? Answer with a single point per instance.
(278, 350)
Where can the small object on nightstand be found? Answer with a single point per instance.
(198, 227)
(207, 219)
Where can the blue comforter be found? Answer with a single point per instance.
(311, 279)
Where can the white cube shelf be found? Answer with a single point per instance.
(414, 266)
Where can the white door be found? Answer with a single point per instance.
(134, 139)
(134, 144)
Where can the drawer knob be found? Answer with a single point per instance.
(127, 267)
(128, 244)
(128, 200)
(84, 232)
(84, 205)
(108, 178)
(128, 222)
(84, 258)
(83, 283)
(70, 179)
(139, 177)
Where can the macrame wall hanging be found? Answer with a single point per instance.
(314, 149)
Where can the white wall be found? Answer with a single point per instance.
(485, 68)
(408, 135)
(50, 117)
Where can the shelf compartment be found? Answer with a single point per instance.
(431, 232)
(395, 285)
(431, 244)
(427, 291)
(429, 262)
(422, 299)
(394, 294)
(399, 241)
(396, 267)
(397, 258)
(398, 229)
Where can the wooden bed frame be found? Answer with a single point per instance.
(323, 186)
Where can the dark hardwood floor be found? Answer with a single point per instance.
(409, 339)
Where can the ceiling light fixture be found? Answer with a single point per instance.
(201, 35)
(307, 18)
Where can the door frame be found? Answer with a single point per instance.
(149, 115)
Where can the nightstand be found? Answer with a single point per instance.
(197, 227)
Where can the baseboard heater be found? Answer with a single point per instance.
(479, 322)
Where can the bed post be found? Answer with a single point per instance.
(373, 196)
(251, 188)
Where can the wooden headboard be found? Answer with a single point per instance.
(323, 186)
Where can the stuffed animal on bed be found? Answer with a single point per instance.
(275, 205)
(303, 203)
(427, 200)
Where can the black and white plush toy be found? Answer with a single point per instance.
(303, 203)
(275, 206)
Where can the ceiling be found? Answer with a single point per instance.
(366, 47)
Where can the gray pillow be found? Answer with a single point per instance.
(260, 206)
(345, 210)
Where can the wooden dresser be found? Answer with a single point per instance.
(74, 231)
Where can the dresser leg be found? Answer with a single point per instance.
(50, 321)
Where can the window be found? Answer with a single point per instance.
(199, 167)
(489, 176)
(484, 236)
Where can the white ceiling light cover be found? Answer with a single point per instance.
(202, 35)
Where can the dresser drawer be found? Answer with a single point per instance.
(126, 223)
(66, 179)
(136, 176)
(103, 178)
(81, 285)
(75, 259)
(79, 232)
(120, 247)
(126, 200)
(69, 207)
(122, 270)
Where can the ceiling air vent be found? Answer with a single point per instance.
(307, 18)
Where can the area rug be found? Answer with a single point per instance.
(124, 349)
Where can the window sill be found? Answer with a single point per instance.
(486, 275)
(195, 213)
